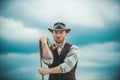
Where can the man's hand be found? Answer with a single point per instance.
(43, 71)
(43, 39)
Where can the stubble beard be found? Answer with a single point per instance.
(59, 41)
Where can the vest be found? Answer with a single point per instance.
(58, 59)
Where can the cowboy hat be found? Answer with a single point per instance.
(59, 26)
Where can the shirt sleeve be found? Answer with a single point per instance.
(70, 60)
(47, 60)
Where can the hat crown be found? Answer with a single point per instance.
(59, 26)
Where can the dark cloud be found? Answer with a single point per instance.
(84, 36)
(25, 47)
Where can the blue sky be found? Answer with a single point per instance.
(94, 24)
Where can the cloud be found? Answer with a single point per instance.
(14, 30)
(94, 76)
(109, 10)
(77, 12)
(106, 54)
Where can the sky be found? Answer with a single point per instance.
(95, 26)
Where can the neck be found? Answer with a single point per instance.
(59, 44)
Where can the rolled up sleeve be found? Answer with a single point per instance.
(70, 60)
(47, 60)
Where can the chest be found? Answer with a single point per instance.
(60, 57)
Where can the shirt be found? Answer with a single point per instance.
(70, 60)
(59, 49)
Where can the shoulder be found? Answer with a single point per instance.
(74, 47)
(74, 51)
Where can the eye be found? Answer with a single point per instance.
(61, 32)
(56, 32)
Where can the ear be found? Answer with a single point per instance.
(66, 34)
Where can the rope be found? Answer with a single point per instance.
(41, 54)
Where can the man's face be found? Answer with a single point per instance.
(59, 35)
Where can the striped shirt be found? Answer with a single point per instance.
(70, 60)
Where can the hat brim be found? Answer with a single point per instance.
(67, 30)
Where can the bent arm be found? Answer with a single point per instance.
(69, 62)
(47, 54)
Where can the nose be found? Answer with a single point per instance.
(58, 35)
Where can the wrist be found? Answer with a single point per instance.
(44, 44)
(48, 70)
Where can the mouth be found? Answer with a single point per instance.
(58, 40)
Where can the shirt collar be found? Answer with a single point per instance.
(61, 46)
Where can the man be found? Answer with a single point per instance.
(61, 57)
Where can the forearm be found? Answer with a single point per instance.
(46, 51)
(55, 70)
(47, 55)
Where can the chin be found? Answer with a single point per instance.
(57, 41)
